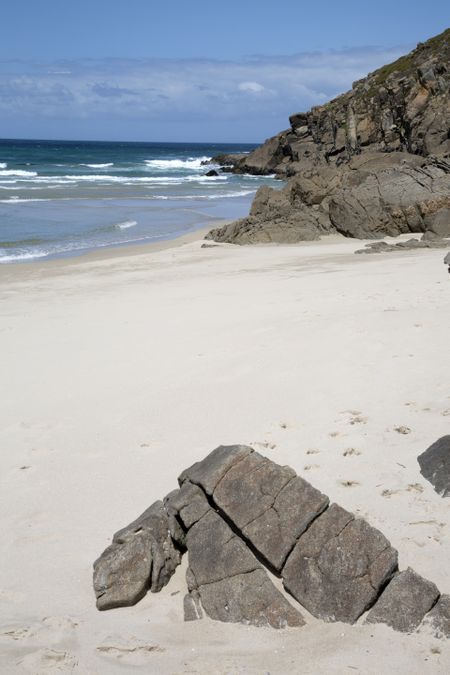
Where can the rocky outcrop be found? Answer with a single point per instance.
(238, 515)
(370, 163)
(408, 245)
(435, 465)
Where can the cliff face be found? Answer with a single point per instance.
(371, 162)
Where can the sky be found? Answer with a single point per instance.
(191, 70)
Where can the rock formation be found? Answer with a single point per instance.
(240, 517)
(372, 162)
(435, 465)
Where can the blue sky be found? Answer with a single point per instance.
(194, 71)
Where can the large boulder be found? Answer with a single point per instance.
(435, 465)
(237, 514)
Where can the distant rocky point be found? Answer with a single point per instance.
(239, 515)
(372, 162)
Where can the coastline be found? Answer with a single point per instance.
(55, 264)
(121, 370)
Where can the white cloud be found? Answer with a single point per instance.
(253, 87)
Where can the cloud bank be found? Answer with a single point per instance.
(183, 99)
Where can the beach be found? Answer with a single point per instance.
(121, 368)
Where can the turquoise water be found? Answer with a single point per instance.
(60, 198)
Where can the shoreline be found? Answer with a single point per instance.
(105, 253)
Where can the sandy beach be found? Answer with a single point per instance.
(120, 369)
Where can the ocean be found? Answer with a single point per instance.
(62, 198)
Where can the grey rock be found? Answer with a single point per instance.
(432, 241)
(249, 598)
(192, 606)
(270, 505)
(438, 619)
(404, 602)
(187, 504)
(211, 470)
(215, 552)
(338, 566)
(212, 172)
(435, 465)
(142, 557)
(229, 579)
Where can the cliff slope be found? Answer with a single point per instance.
(373, 161)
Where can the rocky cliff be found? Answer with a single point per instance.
(372, 162)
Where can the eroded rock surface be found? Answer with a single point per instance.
(237, 513)
(142, 557)
(230, 581)
(435, 465)
(405, 602)
(339, 566)
(438, 619)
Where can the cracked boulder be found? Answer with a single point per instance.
(269, 504)
(239, 517)
(230, 582)
(435, 464)
(405, 601)
(339, 566)
(224, 577)
(142, 557)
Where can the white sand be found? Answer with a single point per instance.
(118, 371)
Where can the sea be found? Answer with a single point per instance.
(63, 198)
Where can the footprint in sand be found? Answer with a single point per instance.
(356, 417)
(131, 651)
(351, 452)
(57, 631)
(402, 430)
(415, 487)
(349, 483)
(388, 493)
(267, 445)
(45, 661)
(312, 451)
(308, 467)
(333, 434)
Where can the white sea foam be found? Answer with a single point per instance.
(222, 195)
(98, 166)
(18, 200)
(3, 165)
(125, 225)
(14, 257)
(189, 163)
(18, 172)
